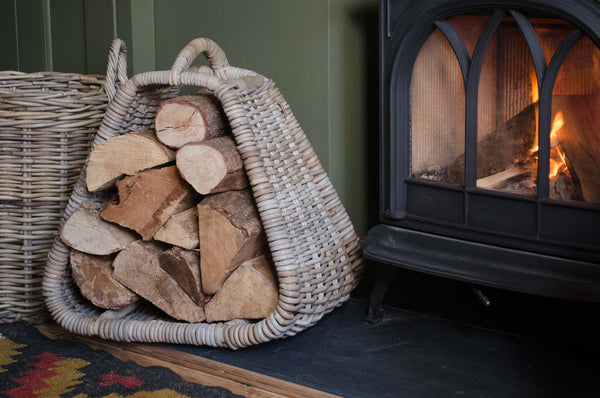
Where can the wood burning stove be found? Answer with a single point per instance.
(490, 144)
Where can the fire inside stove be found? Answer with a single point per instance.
(508, 104)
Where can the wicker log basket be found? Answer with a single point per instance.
(47, 124)
(312, 241)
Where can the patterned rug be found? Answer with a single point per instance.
(32, 365)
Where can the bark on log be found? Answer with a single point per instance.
(137, 267)
(148, 199)
(94, 276)
(87, 232)
(125, 155)
(249, 293)
(181, 229)
(212, 166)
(190, 118)
(184, 268)
(230, 233)
(498, 150)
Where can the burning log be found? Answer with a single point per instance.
(495, 181)
(498, 150)
(580, 140)
(567, 156)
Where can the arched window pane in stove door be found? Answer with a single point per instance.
(574, 171)
(507, 114)
(437, 101)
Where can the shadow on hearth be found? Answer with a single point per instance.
(544, 319)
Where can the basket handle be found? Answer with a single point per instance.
(215, 55)
(116, 70)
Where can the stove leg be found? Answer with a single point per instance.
(383, 279)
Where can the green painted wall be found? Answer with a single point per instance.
(61, 35)
(353, 144)
(286, 40)
(9, 54)
(321, 53)
(68, 35)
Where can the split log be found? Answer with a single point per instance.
(580, 139)
(496, 180)
(148, 199)
(498, 150)
(125, 155)
(230, 233)
(137, 267)
(181, 229)
(87, 232)
(184, 268)
(212, 166)
(94, 276)
(190, 118)
(250, 293)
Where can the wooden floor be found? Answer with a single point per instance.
(192, 368)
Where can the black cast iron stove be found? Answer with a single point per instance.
(490, 144)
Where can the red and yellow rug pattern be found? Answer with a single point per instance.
(32, 365)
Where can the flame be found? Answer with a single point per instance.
(562, 155)
(557, 124)
(557, 164)
(557, 156)
(535, 94)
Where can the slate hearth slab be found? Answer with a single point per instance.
(413, 355)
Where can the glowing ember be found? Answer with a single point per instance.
(554, 167)
(557, 162)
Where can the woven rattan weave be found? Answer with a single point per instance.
(311, 239)
(47, 124)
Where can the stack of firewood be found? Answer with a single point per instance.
(180, 228)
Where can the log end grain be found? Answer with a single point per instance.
(94, 277)
(250, 293)
(138, 268)
(190, 118)
(212, 166)
(87, 232)
(124, 155)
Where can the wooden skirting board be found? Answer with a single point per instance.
(190, 367)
